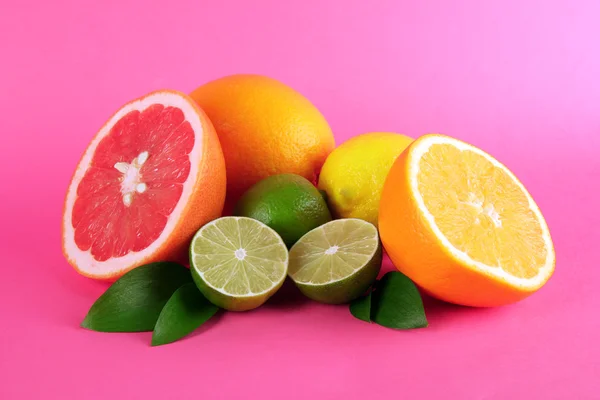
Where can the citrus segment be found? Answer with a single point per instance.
(133, 191)
(136, 194)
(481, 210)
(461, 225)
(336, 262)
(238, 262)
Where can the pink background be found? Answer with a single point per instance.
(521, 79)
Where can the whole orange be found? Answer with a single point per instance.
(265, 128)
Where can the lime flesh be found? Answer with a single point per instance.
(238, 262)
(336, 262)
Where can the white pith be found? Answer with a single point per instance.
(131, 180)
(83, 259)
(238, 255)
(422, 147)
(488, 210)
(332, 250)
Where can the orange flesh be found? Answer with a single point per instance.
(481, 210)
(103, 223)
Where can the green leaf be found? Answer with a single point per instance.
(185, 311)
(134, 302)
(397, 303)
(361, 308)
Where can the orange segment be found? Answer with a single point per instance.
(481, 210)
(462, 226)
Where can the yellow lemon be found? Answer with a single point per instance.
(354, 173)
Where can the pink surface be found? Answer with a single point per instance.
(518, 78)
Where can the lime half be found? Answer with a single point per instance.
(238, 262)
(336, 262)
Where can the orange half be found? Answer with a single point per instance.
(462, 226)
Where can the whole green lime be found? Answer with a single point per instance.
(288, 203)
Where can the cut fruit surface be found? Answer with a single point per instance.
(148, 180)
(336, 262)
(462, 226)
(238, 262)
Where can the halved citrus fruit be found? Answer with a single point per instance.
(462, 226)
(336, 262)
(238, 262)
(151, 176)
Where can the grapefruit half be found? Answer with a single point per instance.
(150, 178)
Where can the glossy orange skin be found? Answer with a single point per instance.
(265, 128)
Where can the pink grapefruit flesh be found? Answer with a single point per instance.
(136, 183)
